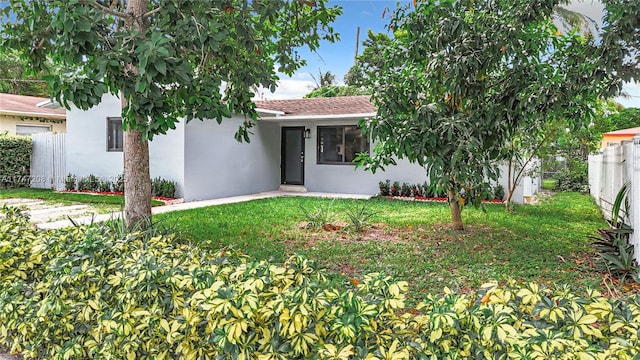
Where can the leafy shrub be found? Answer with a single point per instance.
(84, 184)
(426, 190)
(93, 182)
(163, 188)
(573, 178)
(15, 161)
(416, 190)
(104, 186)
(395, 188)
(70, 182)
(86, 293)
(405, 189)
(385, 187)
(613, 244)
(118, 185)
(498, 192)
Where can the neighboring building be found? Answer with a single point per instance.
(21, 115)
(302, 144)
(618, 136)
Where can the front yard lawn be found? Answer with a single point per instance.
(66, 197)
(413, 241)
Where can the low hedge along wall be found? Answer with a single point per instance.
(86, 293)
(15, 161)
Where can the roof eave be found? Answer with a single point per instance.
(318, 117)
(33, 114)
(270, 112)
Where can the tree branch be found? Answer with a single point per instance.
(106, 10)
(150, 13)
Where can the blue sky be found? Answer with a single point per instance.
(367, 14)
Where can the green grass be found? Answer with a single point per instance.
(549, 184)
(413, 241)
(66, 198)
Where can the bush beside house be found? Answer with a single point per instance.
(15, 161)
(87, 292)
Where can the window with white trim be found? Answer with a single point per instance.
(340, 144)
(114, 134)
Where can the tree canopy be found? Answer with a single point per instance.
(14, 79)
(369, 63)
(460, 76)
(166, 59)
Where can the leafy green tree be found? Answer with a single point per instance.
(618, 120)
(369, 63)
(166, 59)
(338, 90)
(324, 79)
(15, 80)
(460, 76)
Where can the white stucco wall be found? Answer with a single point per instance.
(207, 162)
(216, 165)
(345, 178)
(86, 145)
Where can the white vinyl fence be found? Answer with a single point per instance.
(48, 161)
(608, 171)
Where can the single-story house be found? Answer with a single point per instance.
(618, 136)
(300, 144)
(22, 115)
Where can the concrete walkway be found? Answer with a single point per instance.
(193, 205)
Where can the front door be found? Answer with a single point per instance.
(292, 158)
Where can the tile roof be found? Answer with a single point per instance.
(27, 104)
(624, 132)
(341, 105)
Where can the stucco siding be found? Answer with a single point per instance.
(8, 123)
(87, 143)
(87, 146)
(216, 165)
(166, 157)
(345, 178)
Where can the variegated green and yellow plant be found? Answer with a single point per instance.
(88, 293)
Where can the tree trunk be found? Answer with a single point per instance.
(510, 189)
(137, 181)
(456, 212)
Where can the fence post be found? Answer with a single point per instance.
(634, 200)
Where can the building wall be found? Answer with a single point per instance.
(207, 162)
(8, 123)
(216, 165)
(345, 178)
(87, 146)
(610, 140)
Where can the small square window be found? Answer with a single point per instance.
(114, 134)
(340, 144)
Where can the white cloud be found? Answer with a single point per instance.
(294, 87)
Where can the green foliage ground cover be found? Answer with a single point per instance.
(84, 293)
(412, 240)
